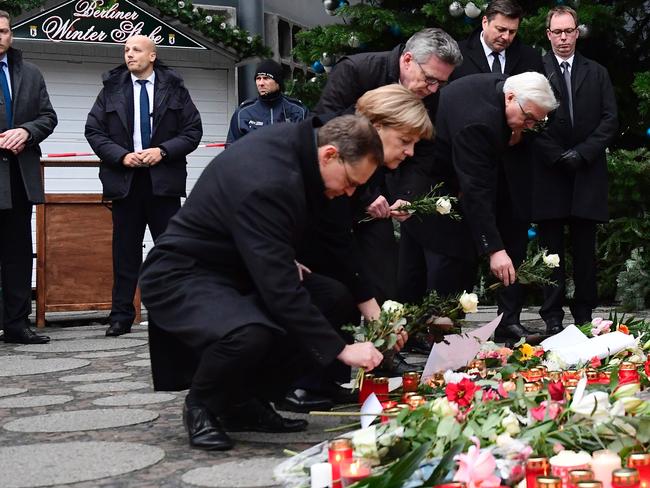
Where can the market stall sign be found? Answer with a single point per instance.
(90, 21)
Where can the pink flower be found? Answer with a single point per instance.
(489, 395)
(595, 362)
(539, 413)
(476, 468)
(599, 325)
(556, 390)
(557, 448)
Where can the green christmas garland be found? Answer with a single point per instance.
(214, 27)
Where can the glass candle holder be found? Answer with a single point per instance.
(389, 413)
(380, 389)
(407, 395)
(603, 463)
(532, 387)
(367, 387)
(451, 484)
(593, 376)
(625, 478)
(437, 380)
(353, 470)
(535, 466)
(589, 484)
(566, 461)
(478, 365)
(548, 482)
(410, 381)
(577, 475)
(627, 373)
(415, 401)
(338, 450)
(641, 462)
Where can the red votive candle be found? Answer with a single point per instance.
(353, 470)
(627, 373)
(578, 475)
(381, 389)
(625, 478)
(367, 387)
(410, 381)
(338, 450)
(389, 413)
(535, 466)
(451, 484)
(641, 462)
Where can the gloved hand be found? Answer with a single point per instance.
(570, 159)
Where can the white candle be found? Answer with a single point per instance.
(603, 463)
(321, 475)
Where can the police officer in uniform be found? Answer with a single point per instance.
(270, 107)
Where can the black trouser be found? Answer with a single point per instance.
(422, 270)
(583, 252)
(130, 218)
(16, 253)
(254, 360)
(510, 299)
(378, 251)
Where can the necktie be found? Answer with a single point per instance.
(145, 124)
(496, 64)
(7, 95)
(567, 81)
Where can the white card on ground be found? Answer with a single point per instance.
(459, 350)
(369, 410)
(600, 346)
(570, 336)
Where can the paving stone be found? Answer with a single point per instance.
(137, 335)
(80, 345)
(11, 391)
(34, 401)
(81, 420)
(72, 462)
(114, 386)
(61, 334)
(130, 399)
(314, 433)
(144, 355)
(25, 365)
(142, 363)
(103, 354)
(94, 377)
(246, 473)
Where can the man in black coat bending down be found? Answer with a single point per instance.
(229, 314)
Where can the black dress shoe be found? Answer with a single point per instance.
(303, 401)
(117, 329)
(394, 365)
(338, 395)
(24, 335)
(418, 344)
(553, 326)
(204, 430)
(259, 416)
(511, 333)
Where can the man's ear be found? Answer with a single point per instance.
(328, 153)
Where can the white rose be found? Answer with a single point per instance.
(552, 260)
(510, 424)
(504, 440)
(594, 405)
(469, 302)
(443, 206)
(442, 408)
(391, 306)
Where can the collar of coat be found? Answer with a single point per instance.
(307, 149)
(120, 75)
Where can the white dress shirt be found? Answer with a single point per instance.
(490, 58)
(137, 138)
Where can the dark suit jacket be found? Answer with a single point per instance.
(519, 58)
(559, 192)
(227, 257)
(469, 150)
(176, 128)
(32, 111)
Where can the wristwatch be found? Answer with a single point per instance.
(163, 153)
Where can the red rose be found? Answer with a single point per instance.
(556, 390)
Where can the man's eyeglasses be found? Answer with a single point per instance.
(349, 182)
(538, 124)
(430, 80)
(559, 32)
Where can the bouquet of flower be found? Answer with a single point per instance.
(535, 270)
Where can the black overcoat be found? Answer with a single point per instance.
(33, 112)
(469, 153)
(559, 192)
(176, 128)
(227, 257)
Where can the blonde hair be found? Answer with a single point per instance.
(396, 107)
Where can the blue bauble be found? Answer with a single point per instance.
(395, 30)
(344, 3)
(532, 233)
(647, 133)
(318, 67)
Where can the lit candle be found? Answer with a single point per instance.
(602, 464)
(321, 475)
(353, 470)
(566, 461)
(415, 401)
(548, 482)
(589, 484)
(577, 475)
(367, 387)
(380, 388)
(410, 381)
(641, 461)
(625, 478)
(535, 466)
(338, 451)
(627, 373)
(389, 413)
(479, 366)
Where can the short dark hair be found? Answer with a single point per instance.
(560, 9)
(4, 14)
(354, 137)
(507, 8)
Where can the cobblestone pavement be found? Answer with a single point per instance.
(81, 412)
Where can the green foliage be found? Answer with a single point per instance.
(629, 182)
(634, 281)
(641, 87)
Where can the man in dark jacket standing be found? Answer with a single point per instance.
(270, 107)
(494, 48)
(26, 119)
(228, 313)
(470, 147)
(570, 174)
(142, 126)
